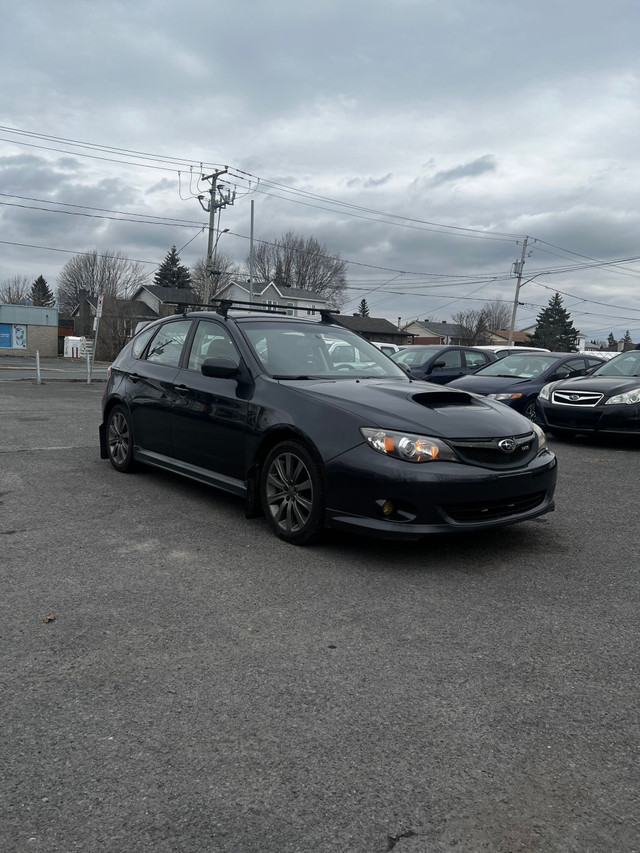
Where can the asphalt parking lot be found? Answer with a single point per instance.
(177, 679)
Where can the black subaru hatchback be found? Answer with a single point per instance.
(266, 407)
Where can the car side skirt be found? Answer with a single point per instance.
(193, 472)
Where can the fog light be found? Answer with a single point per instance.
(387, 508)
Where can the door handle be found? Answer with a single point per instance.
(135, 377)
(182, 388)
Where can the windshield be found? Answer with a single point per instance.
(415, 355)
(625, 364)
(525, 366)
(308, 351)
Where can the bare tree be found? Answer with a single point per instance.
(296, 261)
(227, 268)
(13, 290)
(116, 326)
(498, 315)
(107, 273)
(474, 330)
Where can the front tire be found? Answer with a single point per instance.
(292, 494)
(120, 439)
(530, 411)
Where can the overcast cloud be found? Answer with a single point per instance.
(383, 129)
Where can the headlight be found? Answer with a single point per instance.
(407, 446)
(545, 393)
(503, 397)
(628, 397)
(542, 438)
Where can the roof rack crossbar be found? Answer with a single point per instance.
(222, 306)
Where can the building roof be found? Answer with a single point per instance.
(368, 325)
(167, 294)
(259, 288)
(517, 337)
(440, 329)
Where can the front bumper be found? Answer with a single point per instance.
(621, 418)
(436, 497)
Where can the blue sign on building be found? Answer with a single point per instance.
(5, 335)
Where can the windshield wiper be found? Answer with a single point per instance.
(293, 376)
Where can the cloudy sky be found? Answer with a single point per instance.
(421, 140)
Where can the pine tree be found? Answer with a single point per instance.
(363, 308)
(171, 273)
(626, 341)
(554, 328)
(40, 293)
(612, 342)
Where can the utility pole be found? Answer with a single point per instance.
(519, 266)
(213, 206)
(251, 258)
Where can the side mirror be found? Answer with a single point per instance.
(219, 368)
(438, 365)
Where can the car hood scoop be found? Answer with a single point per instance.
(442, 399)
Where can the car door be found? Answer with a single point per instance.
(209, 419)
(150, 387)
(445, 366)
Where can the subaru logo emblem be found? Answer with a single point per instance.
(574, 397)
(507, 445)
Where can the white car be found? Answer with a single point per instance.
(500, 350)
(387, 349)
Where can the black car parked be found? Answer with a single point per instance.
(517, 379)
(607, 401)
(253, 403)
(441, 364)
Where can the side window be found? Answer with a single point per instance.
(166, 347)
(211, 341)
(453, 358)
(141, 341)
(475, 359)
(565, 370)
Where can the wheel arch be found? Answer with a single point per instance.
(276, 435)
(111, 403)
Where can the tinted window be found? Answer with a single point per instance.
(141, 341)
(211, 341)
(450, 359)
(475, 359)
(166, 347)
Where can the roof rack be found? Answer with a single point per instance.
(222, 307)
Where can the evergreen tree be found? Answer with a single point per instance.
(554, 328)
(626, 341)
(363, 308)
(171, 273)
(40, 293)
(611, 341)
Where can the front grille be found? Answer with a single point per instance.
(576, 398)
(492, 510)
(488, 453)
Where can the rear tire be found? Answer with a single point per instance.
(292, 494)
(119, 434)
